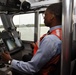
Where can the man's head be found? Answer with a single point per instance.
(53, 15)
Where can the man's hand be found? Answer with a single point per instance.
(6, 57)
(32, 45)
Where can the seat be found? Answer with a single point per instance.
(73, 58)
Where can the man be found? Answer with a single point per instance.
(46, 57)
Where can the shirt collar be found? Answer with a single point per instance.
(55, 27)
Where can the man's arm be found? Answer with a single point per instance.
(46, 51)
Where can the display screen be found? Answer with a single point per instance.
(13, 44)
(12, 41)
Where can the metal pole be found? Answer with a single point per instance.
(37, 27)
(66, 36)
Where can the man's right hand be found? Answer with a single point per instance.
(6, 57)
(32, 45)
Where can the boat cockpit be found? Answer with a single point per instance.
(15, 38)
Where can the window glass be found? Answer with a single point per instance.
(25, 25)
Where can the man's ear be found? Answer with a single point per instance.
(52, 17)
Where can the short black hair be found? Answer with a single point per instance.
(56, 9)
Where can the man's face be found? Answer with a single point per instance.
(48, 18)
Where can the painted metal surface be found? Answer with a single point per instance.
(66, 37)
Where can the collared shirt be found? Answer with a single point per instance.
(49, 46)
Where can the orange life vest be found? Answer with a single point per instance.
(51, 65)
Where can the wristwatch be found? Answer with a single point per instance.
(9, 62)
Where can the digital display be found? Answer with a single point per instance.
(13, 44)
(12, 41)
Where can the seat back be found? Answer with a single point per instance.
(73, 58)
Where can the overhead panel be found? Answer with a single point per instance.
(23, 5)
(37, 3)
